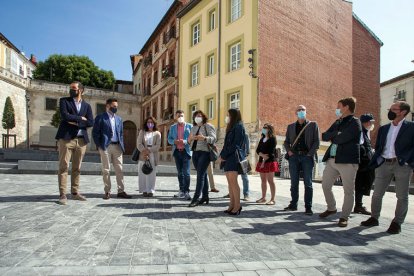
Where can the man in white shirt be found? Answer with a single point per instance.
(393, 158)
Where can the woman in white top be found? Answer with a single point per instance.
(148, 143)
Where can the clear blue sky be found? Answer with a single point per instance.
(109, 31)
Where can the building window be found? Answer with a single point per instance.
(194, 74)
(100, 108)
(400, 95)
(235, 100)
(212, 20)
(235, 10)
(235, 56)
(196, 33)
(193, 108)
(156, 48)
(51, 104)
(155, 77)
(210, 108)
(154, 109)
(210, 70)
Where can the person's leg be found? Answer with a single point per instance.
(330, 174)
(358, 198)
(200, 174)
(245, 179)
(231, 204)
(235, 191)
(403, 176)
(78, 155)
(117, 162)
(383, 177)
(186, 171)
(65, 153)
(179, 164)
(141, 178)
(152, 176)
(307, 165)
(270, 179)
(105, 160)
(348, 173)
(264, 185)
(205, 163)
(211, 177)
(294, 166)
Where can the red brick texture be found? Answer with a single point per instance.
(305, 57)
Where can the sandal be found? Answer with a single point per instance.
(262, 200)
(271, 202)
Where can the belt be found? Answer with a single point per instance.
(391, 160)
(114, 143)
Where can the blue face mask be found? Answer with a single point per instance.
(302, 114)
(264, 132)
(338, 112)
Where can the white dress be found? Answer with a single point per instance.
(146, 182)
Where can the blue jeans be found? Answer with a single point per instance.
(182, 162)
(245, 179)
(201, 160)
(296, 164)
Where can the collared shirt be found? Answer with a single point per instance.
(180, 135)
(389, 150)
(78, 108)
(114, 137)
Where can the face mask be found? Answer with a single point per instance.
(264, 132)
(371, 128)
(113, 109)
(73, 93)
(198, 120)
(150, 125)
(392, 115)
(227, 120)
(302, 114)
(338, 112)
(180, 120)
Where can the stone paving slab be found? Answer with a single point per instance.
(161, 235)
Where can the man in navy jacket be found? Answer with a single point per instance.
(72, 139)
(393, 158)
(108, 135)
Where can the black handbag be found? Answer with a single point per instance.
(135, 155)
(147, 167)
(243, 165)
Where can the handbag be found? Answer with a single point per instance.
(147, 167)
(136, 153)
(212, 148)
(296, 140)
(243, 165)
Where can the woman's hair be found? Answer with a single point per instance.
(145, 127)
(199, 112)
(235, 117)
(270, 130)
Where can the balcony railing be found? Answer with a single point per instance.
(169, 35)
(168, 71)
(148, 60)
(146, 91)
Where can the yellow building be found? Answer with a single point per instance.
(215, 38)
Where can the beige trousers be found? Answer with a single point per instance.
(211, 176)
(113, 154)
(348, 174)
(68, 149)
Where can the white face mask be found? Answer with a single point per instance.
(198, 120)
(227, 120)
(180, 120)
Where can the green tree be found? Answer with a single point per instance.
(68, 68)
(8, 120)
(56, 118)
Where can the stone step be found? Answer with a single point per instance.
(4, 165)
(8, 171)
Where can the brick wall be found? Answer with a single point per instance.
(366, 73)
(305, 57)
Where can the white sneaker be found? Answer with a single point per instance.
(179, 194)
(187, 196)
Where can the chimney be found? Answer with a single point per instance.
(33, 59)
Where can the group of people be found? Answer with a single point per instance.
(350, 156)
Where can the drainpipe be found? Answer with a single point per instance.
(219, 71)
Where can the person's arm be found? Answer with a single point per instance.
(286, 144)
(232, 146)
(156, 146)
(211, 134)
(348, 134)
(316, 141)
(65, 115)
(97, 132)
(140, 141)
(328, 135)
(89, 119)
(170, 137)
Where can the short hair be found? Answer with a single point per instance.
(202, 115)
(111, 100)
(179, 111)
(350, 102)
(145, 127)
(80, 85)
(404, 106)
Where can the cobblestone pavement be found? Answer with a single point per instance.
(162, 235)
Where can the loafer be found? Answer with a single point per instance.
(291, 208)
(214, 190)
(123, 195)
(107, 196)
(343, 222)
(308, 212)
(63, 200)
(226, 196)
(79, 197)
(370, 222)
(394, 228)
(361, 210)
(327, 213)
(246, 198)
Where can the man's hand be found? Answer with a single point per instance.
(73, 123)
(290, 153)
(84, 119)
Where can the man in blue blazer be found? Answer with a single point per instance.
(108, 136)
(76, 117)
(393, 158)
(177, 137)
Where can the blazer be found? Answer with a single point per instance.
(208, 131)
(404, 145)
(247, 144)
(102, 131)
(234, 141)
(346, 133)
(69, 113)
(268, 147)
(156, 144)
(173, 135)
(311, 135)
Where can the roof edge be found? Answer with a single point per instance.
(187, 8)
(367, 28)
(398, 78)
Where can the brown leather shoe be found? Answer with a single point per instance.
(107, 196)
(150, 194)
(214, 190)
(63, 200)
(343, 222)
(123, 195)
(79, 197)
(327, 213)
(361, 210)
(394, 228)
